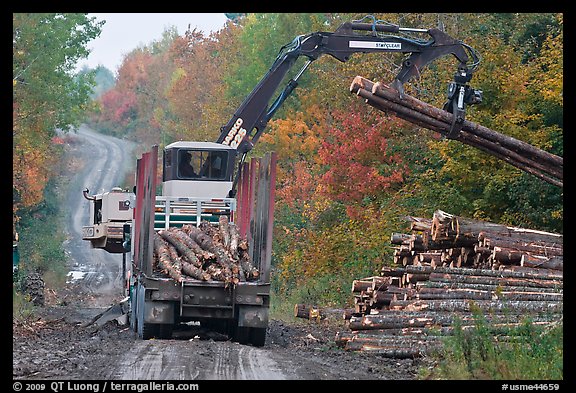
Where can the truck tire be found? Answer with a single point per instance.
(144, 330)
(250, 335)
(258, 336)
(165, 331)
(132, 314)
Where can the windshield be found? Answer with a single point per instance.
(202, 164)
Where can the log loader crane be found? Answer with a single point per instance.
(123, 221)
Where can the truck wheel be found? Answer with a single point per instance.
(241, 335)
(133, 313)
(258, 336)
(144, 330)
(165, 330)
(248, 335)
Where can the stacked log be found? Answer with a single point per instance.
(521, 155)
(451, 268)
(203, 253)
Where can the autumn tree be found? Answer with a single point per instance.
(46, 94)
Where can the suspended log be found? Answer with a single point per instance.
(386, 98)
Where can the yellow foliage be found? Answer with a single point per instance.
(550, 82)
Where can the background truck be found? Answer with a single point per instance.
(223, 183)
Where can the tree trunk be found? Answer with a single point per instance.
(482, 287)
(397, 319)
(492, 306)
(533, 261)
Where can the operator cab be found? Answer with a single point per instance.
(197, 169)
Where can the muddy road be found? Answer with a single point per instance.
(63, 343)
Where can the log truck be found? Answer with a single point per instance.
(123, 221)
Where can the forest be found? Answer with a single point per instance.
(348, 175)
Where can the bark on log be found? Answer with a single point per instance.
(538, 274)
(234, 241)
(164, 260)
(309, 312)
(224, 230)
(492, 306)
(225, 264)
(472, 294)
(482, 287)
(430, 257)
(397, 319)
(394, 346)
(380, 283)
(554, 263)
(420, 224)
(532, 247)
(445, 224)
(362, 284)
(201, 254)
(184, 245)
(502, 281)
(535, 271)
(194, 272)
(388, 271)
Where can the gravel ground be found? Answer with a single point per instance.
(62, 344)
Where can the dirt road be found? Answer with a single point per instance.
(63, 344)
(104, 162)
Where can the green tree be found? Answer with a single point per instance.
(46, 94)
(103, 78)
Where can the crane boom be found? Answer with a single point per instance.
(251, 118)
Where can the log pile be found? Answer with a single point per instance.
(451, 268)
(204, 253)
(521, 155)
